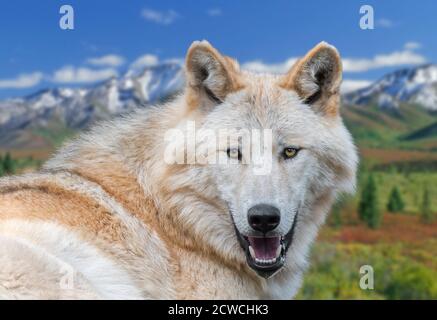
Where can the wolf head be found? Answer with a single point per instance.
(284, 158)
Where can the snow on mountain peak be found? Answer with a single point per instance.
(412, 85)
(79, 107)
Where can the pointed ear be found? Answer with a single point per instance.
(316, 78)
(210, 75)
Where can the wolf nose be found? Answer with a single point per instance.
(264, 217)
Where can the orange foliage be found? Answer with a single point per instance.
(394, 228)
(388, 155)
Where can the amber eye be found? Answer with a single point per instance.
(290, 152)
(234, 153)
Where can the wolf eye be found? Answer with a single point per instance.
(234, 153)
(290, 152)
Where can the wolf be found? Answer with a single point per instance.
(108, 217)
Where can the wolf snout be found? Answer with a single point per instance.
(264, 217)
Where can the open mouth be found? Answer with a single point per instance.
(265, 251)
(265, 255)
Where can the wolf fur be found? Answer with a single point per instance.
(107, 218)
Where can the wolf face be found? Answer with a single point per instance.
(286, 152)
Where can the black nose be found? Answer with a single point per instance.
(264, 217)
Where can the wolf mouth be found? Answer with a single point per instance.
(266, 254)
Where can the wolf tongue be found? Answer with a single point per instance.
(265, 248)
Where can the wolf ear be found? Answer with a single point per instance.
(316, 78)
(210, 75)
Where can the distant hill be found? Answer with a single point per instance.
(424, 133)
(382, 128)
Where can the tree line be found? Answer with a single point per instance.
(369, 209)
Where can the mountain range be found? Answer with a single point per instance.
(23, 121)
(404, 101)
(411, 85)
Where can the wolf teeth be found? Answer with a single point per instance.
(266, 261)
(252, 252)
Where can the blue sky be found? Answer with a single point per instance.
(111, 36)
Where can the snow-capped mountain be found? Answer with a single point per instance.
(76, 108)
(416, 85)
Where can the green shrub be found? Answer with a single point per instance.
(368, 207)
(425, 208)
(395, 201)
(334, 273)
(412, 282)
(8, 164)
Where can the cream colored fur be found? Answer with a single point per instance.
(111, 219)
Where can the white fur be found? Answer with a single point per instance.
(203, 197)
(49, 241)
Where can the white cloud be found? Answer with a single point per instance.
(397, 58)
(147, 60)
(179, 61)
(70, 74)
(352, 85)
(260, 66)
(405, 56)
(26, 80)
(384, 23)
(412, 45)
(214, 12)
(160, 17)
(111, 60)
(150, 60)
